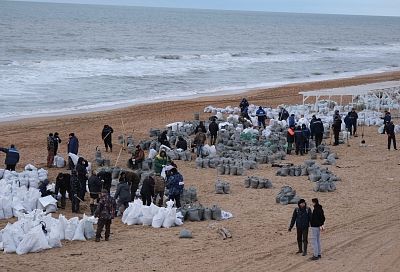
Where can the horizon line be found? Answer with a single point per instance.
(204, 9)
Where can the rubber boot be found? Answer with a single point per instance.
(305, 249)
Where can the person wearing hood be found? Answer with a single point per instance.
(12, 157)
(75, 190)
(175, 186)
(181, 143)
(82, 176)
(123, 194)
(106, 134)
(290, 139)
(261, 116)
(301, 217)
(160, 161)
(317, 224)
(94, 184)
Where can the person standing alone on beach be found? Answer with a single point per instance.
(50, 150)
(301, 216)
(317, 224)
(106, 135)
(213, 128)
(261, 115)
(12, 157)
(391, 135)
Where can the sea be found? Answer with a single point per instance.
(66, 58)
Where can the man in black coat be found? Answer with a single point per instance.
(337, 127)
(213, 128)
(312, 126)
(391, 135)
(63, 185)
(94, 184)
(82, 176)
(301, 216)
(353, 122)
(147, 191)
(57, 141)
(75, 190)
(106, 136)
(317, 223)
(318, 131)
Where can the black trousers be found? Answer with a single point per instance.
(302, 239)
(177, 199)
(336, 135)
(354, 125)
(100, 225)
(82, 192)
(392, 138)
(108, 144)
(299, 148)
(10, 167)
(146, 199)
(213, 139)
(318, 138)
(75, 204)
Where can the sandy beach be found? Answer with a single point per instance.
(363, 214)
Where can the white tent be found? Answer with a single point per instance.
(389, 90)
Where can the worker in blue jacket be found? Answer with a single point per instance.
(12, 157)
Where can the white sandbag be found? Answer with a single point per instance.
(89, 231)
(135, 214)
(34, 241)
(30, 167)
(164, 147)
(79, 234)
(158, 219)
(7, 207)
(53, 236)
(152, 153)
(62, 226)
(74, 158)
(147, 216)
(126, 212)
(59, 161)
(380, 129)
(70, 228)
(8, 239)
(47, 200)
(170, 218)
(154, 209)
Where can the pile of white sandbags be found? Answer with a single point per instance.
(139, 214)
(36, 231)
(19, 193)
